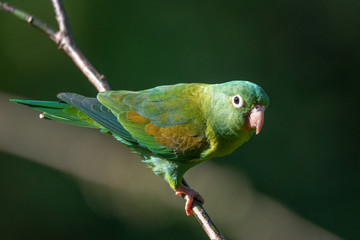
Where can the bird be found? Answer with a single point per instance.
(172, 127)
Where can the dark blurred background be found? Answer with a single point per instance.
(305, 54)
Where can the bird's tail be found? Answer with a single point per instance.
(60, 111)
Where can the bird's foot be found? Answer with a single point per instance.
(189, 195)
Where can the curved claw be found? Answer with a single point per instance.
(189, 194)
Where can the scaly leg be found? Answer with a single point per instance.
(190, 195)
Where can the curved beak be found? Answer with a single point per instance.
(256, 118)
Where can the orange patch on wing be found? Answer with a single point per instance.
(135, 117)
(182, 138)
(152, 129)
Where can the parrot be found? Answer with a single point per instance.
(172, 127)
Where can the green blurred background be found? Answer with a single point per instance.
(305, 54)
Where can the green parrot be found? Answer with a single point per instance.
(172, 127)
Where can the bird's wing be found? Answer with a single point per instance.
(98, 112)
(167, 120)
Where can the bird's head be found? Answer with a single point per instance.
(237, 109)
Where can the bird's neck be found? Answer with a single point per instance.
(221, 146)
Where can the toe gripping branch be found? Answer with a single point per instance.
(202, 216)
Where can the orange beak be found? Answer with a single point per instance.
(256, 118)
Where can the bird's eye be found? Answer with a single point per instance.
(237, 101)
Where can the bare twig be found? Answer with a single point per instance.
(61, 17)
(64, 39)
(30, 19)
(204, 219)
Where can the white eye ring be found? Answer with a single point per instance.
(237, 101)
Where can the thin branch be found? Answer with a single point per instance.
(204, 219)
(30, 19)
(65, 41)
(61, 17)
(63, 38)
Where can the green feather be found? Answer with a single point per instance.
(172, 127)
(61, 112)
